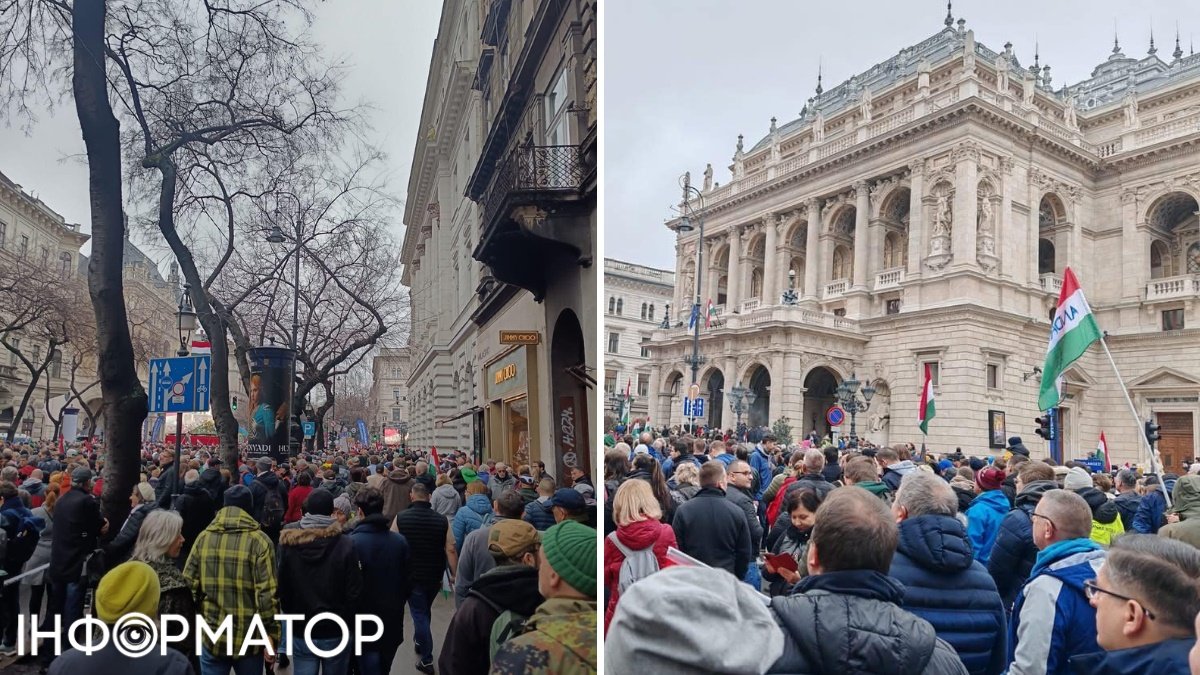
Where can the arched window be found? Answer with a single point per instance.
(893, 251)
(644, 311)
(1160, 260)
(1193, 258)
(756, 283)
(612, 305)
(1046, 263)
(841, 263)
(722, 290)
(620, 305)
(651, 312)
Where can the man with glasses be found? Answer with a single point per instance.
(1052, 619)
(741, 494)
(1145, 598)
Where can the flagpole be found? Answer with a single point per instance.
(1137, 420)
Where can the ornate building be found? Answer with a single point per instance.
(924, 211)
(390, 370)
(500, 234)
(637, 299)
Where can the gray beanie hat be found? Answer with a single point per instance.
(647, 635)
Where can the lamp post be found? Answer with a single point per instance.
(276, 236)
(185, 321)
(685, 226)
(848, 398)
(740, 400)
(790, 297)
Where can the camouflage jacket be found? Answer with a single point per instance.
(560, 639)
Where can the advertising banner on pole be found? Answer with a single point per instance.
(70, 424)
(362, 432)
(270, 402)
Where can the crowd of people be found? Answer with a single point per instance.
(347, 532)
(889, 560)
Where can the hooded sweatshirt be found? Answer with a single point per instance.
(1186, 502)
(1106, 516)
(445, 501)
(983, 522)
(476, 513)
(466, 648)
(395, 489)
(894, 473)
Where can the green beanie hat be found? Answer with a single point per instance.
(570, 548)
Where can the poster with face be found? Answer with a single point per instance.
(270, 401)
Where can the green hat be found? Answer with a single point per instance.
(570, 548)
(468, 474)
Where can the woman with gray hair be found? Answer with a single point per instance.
(158, 545)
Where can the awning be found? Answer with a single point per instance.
(458, 416)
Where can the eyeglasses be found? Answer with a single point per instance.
(1091, 588)
(737, 473)
(1047, 519)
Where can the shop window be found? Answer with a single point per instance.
(1172, 319)
(614, 342)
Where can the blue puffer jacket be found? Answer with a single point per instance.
(1013, 554)
(1052, 620)
(538, 513)
(473, 515)
(1161, 658)
(762, 466)
(947, 587)
(983, 522)
(1150, 512)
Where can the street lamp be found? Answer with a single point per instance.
(276, 236)
(790, 297)
(685, 226)
(848, 398)
(185, 321)
(740, 400)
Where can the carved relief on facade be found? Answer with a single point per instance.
(939, 205)
(986, 226)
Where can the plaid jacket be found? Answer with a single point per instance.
(231, 571)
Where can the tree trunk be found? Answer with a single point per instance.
(34, 378)
(213, 323)
(124, 397)
(324, 408)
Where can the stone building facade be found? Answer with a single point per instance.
(637, 300)
(924, 212)
(390, 370)
(500, 231)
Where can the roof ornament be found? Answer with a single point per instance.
(773, 127)
(1036, 67)
(1046, 77)
(949, 14)
(1116, 40)
(819, 88)
(1178, 53)
(1153, 50)
(740, 143)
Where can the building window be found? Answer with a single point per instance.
(840, 311)
(645, 352)
(610, 382)
(644, 308)
(1172, 319)
(614, 342)
(44, 253)
(396, 412)
(3, 233)
(612, 305)
(651, 312)
(893, 306)
(64, 264)
(935, 374)
(620, 305)
(557, 127)
(16, 347)
(56, 364)
(993, 376)
(396, 394)
(643, 384)
(23, 247)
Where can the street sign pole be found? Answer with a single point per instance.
(183, 351)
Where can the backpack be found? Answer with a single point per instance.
(20, 548)
(777, 503)
(507, 626)
(273, 509)
(636, 566)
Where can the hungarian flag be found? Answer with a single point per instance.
(1102, 452)
(710, 314)
(437, 463)
(927, 410)
(201, 346)
(625, 405)
(1072, 331)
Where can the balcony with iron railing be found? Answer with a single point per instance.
(533, 175)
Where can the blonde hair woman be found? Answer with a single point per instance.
(638, 516)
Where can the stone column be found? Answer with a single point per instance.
(770, 294)
(793, 391)
(1032, 230)
(812, 256)
(775, 409)
(1134, 269)
(1010, 265)
(916, 218)
(714, 274)
(734, 287)
(680, 293)
(966, 205)
(862, 218)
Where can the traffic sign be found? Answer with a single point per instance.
(693, 407)
(310, 429)
(180, 384)
(687, 407)
(835, 416)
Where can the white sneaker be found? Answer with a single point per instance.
(8, 650)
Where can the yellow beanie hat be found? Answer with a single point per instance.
(128, 588)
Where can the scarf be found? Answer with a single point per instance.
(1059, 550)
(311, 521)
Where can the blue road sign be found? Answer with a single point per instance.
(697, 407)
(310, 429)
(180, 384)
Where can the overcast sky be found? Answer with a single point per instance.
(682, 78)
(387, 43)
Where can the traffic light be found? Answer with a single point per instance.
(1152, 435)
(235, 402)
(1045, 430)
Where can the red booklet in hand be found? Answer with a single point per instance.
(782, 561)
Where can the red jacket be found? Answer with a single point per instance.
(296, 498)
(635, 536)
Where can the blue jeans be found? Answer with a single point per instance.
(305, 662)
(753, 576)
(420, 604)
(211, 664)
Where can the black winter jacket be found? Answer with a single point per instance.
(258, 491)
(168, 479)
(319, 572)
(947, 587)
(466, 650)
(120, 548)
(425, 530)
(384, 556)
(197, 508)
(77, 523)
(850, 622)
(1104, 510)
(1014, 553)
(744, 501)
(1127, 505)
(212, 480)
(710, 528)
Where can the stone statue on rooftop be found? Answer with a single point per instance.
(708, 174)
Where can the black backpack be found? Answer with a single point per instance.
(273, 509)
(20, 547)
